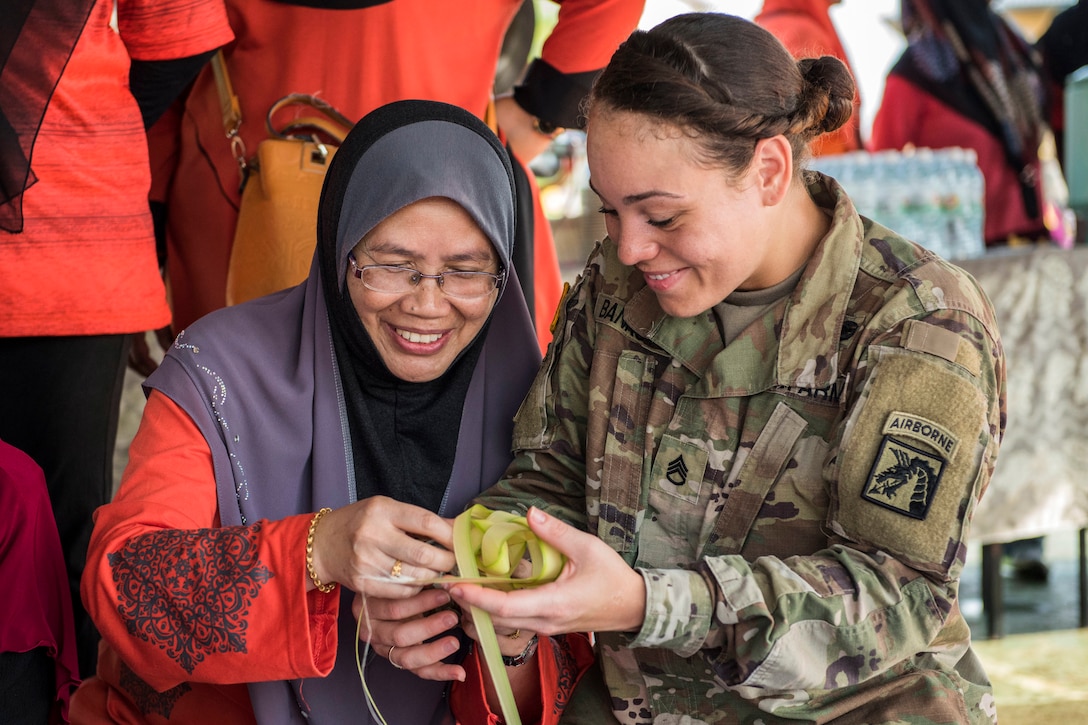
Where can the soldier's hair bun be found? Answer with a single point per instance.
(827, 99)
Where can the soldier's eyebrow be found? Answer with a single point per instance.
(635, 198)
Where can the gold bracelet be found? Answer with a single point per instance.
(323, 588)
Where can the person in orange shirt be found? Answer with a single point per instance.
(805, 28)
(79, 82)
(358, 55)
(379, 393)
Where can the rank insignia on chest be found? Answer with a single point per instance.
(677, 472)
(903, 478)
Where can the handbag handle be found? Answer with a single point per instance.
(331, 122)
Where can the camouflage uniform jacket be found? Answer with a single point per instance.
(797, 502)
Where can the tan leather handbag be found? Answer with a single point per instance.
(276, 233)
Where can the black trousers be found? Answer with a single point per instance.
(60, 399)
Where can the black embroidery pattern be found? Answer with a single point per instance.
(567, 667)
(188, 592)
(145, 697)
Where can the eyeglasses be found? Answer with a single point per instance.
(396, 280)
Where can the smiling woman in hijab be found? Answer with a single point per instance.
(382, 388)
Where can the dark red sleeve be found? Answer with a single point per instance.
(562, 661)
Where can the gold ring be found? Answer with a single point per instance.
(389, 656)
(515, 634)
(395, 572)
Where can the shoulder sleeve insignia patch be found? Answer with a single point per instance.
(903, 478)
(911, 464)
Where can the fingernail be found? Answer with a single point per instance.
(537, 516)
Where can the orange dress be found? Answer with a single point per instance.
(193, 661)
(357, 60)
(805, 28)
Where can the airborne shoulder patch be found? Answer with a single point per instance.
(903, 478)
(922, 429)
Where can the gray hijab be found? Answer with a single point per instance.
(263, 383)
(398, 155)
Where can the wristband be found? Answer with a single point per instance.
(546, 128)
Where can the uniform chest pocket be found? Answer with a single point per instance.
(624, 448)
(678, 497)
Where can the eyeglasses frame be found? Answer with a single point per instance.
(418, 276)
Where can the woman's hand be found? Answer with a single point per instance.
(368, 545)
(517, 125)
(597, 591)
(398, 629)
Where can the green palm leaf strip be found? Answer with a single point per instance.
(490, 544)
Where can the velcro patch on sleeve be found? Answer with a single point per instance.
(925, 337)
(910, 459)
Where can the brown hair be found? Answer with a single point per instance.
(727, 82)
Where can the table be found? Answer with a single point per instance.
(1040, 482)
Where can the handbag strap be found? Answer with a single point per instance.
(231, 109)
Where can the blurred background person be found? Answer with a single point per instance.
(79, 272)
(358, 55)
(968, 79)
(806, 29)
(1063, 48)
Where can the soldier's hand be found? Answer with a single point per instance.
(596, 592)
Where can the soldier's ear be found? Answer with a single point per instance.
(772, 169)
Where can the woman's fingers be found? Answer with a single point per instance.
(412, 633)
(425, 660)
(391, 611)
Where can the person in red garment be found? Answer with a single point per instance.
(805, 28)
(968, 79)
(358, 55)
(79, 82)
(38, 666)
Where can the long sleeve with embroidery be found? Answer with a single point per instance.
(182, 602)
(797, 501)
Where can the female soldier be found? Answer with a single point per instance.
(765, 422)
